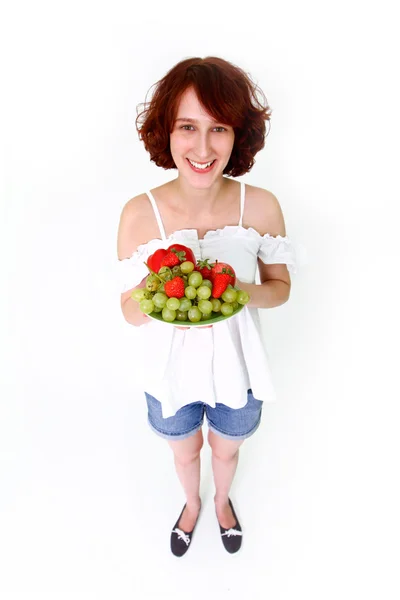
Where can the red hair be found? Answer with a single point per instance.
(226, 92)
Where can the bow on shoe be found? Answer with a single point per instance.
(231, 531)
(182, 535)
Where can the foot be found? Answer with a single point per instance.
(189, 516)
(224, 514)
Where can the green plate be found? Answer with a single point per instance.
(216, 319)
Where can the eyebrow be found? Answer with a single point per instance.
(189, 120)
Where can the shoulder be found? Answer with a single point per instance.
(132, 230)
(263, 212)
(135, 207)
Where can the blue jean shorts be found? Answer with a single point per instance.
(229, 423)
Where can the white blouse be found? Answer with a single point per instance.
(216, 364)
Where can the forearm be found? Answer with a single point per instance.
(133, 314)
(266, 295)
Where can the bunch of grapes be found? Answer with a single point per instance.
(181, 293)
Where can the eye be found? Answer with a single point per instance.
(220, 129)
(187, 127)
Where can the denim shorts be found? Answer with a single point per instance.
(229, 423)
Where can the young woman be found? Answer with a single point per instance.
(206, 119)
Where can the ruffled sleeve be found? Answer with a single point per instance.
(278, 250)
(131, 271)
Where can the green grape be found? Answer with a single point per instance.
(160, 299)
(187, 267)
(168, 314)
(205, 306)
(242, 297)
(194, 314)
(235, 305)
(152, 283)
(229, 295)
(226, 309)
(157, 309)
(181, 315)
(190, 292)
(176, 271)
(205, 317)
(165, 273)
(207, 282)
(139, 294)
(173, 303)
(146, 306)
(195, 279)
(185, 304)
(216, 304)
(203, 292)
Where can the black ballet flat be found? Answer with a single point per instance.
(232, 537)
(180, 540)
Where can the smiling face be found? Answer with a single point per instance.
(200, 146)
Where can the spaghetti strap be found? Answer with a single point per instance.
(157, 215)
(242, 198)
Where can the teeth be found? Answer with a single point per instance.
(199, 166)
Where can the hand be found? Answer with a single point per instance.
(205, 327)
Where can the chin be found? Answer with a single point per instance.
(198, 180)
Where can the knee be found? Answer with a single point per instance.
(186, 458)
(223, 450)
(225, 455)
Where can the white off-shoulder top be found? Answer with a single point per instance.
(216, 364)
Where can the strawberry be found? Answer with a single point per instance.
(204, 268)
(173, 258)
(154, 260)
(188, 253)
(220, 283)
(221, 267)
(175, 288)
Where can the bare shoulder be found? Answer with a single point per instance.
(263, 212)
(133, 225)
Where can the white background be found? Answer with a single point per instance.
(88, 493)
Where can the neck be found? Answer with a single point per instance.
(195, 200)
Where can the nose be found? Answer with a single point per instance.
(203, 146)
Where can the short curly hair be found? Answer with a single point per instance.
(225, 91)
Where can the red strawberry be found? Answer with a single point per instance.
(188, 254)
(154, 260)
(220, 283)
(221, 267)
(173, 258)
(204, 268)
(175, 288)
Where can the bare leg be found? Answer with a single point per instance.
(225, 457)
(187, 464)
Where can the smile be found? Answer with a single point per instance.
(201, 166)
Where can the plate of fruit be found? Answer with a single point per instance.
(184, 292)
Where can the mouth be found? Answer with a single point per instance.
(201, 167)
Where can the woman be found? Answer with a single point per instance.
(206, 119)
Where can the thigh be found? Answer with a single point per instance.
(235, 423)
(221, 447)
(187, 449)
(185, 423)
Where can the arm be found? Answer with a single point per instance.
(127, 243)
(265, 215)
(274, 289)
(130, 309)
